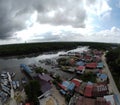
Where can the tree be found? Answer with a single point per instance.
(32, 90)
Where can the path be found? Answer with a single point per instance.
(112, 82)
(57, 96)
(12, 100)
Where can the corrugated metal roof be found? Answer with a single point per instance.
(80, 63)
(77, 82)
(26, 68)
(88, 91)
(100, 65)
(45, 86)
(92, 65)
(103, 76)
(45, 77)
(67, 85)
(80, 68)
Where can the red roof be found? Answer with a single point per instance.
(76, 82)
(85, 101)
(91, 65)
(80, 68)
(27, 104)
(88, 90)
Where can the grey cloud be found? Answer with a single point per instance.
(90, 2)
(62, 36)
(72, 13)
(14, 14)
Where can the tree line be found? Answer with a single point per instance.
(113, 60)
(34, 48)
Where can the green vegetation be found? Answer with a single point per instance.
(32, 89)
(40, 70)
(87, 77)
(113, 60)
(37, 48)
(57, 80)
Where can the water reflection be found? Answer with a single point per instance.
(15, 62)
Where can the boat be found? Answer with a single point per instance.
(12, 74)
(17, 84)
(3, 75)
(5, 90)
(3, 96)
(5, 87)
(14, 84)
(24, 80)
(5, 82)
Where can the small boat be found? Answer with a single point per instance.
(5, 82)
(12, 74)
(3, 94)
(17, 84)
(14, 84)
(5, 87)
(5, 90)
(24, 80)
(4, 77)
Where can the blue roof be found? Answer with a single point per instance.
(100, 65)
(65, 83)
(26, 68)
(80, 63)
(71, 86)
(68, 85)
(102, 76)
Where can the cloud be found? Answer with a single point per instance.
(65, 12)
(98, 7)
(61, 36)
(50, 20)
(15, 13)
(112, 35)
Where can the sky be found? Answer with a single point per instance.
(59, 20)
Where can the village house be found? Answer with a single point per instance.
(92, 65)
(45, 83)
(102, 77)
(66, 87)
(100, 90)
(80, 69)
(77, 82)
(81, 100)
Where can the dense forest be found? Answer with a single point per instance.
(34, 48)
(113, 60)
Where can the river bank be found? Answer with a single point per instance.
(12, 64)
(40, 48)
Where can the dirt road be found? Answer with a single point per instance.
(112, 82)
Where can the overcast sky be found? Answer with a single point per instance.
(59, 20)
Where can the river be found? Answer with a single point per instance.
(13, 64)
